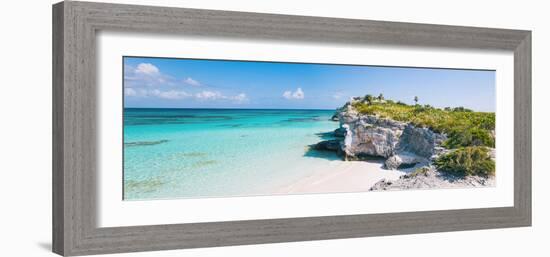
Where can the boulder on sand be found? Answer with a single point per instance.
(402, 160)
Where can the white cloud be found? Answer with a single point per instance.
(298, 94)
(209, 95)
(147, 69)
(135, 92)
(130, 92)
(240, 98)
(145, 74)
(287, 94)
(149, 75)
(192, 82)
(171, 94)
(215, 95)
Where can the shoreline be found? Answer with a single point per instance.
(342, 177)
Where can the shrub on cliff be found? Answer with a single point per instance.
(463, 127)
(467, 161)
(472, 136)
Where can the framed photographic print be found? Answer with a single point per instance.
(182, 128)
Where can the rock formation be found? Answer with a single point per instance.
(365, 136)
(402, 145)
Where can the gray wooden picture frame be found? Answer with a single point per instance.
(75, 25)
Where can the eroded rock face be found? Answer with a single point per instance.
(368, 140)
(420, 141)
(401, 143)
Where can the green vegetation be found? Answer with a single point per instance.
(467, 161)
(463, 127)
(369, 98)
(468, 132)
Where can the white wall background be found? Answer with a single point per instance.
(25, 128)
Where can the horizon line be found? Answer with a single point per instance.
(231, 108)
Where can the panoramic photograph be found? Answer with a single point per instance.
(196, 128)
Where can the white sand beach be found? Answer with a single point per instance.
(342, 176)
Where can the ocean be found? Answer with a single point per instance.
(196, 153)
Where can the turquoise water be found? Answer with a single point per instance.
(192, 153)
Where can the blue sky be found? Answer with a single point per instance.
(185, 83)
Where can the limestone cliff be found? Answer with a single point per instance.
(362, 136)
(400, 143)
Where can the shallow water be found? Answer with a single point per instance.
(191, 153)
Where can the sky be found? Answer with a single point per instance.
(188, 83)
